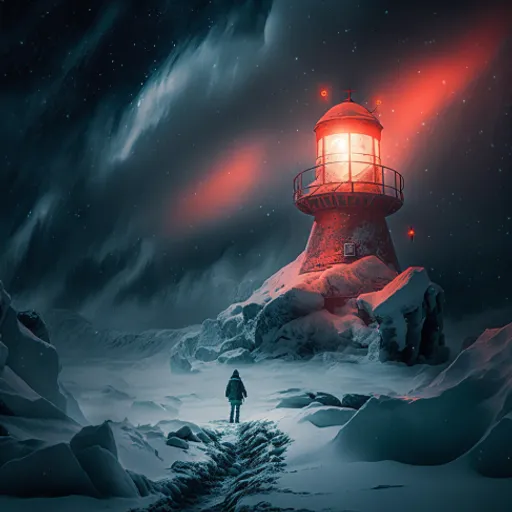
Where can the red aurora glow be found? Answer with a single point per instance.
(223, 188)
(423, 89)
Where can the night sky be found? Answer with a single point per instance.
(148, 148)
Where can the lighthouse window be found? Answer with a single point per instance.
(363, 153)
(336, 156)
(349, 249)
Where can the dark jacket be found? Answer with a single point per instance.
(235, 390)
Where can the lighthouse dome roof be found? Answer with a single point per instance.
(349, 110)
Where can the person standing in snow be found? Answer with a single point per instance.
(235, 393)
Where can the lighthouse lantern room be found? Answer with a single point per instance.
(349, 192)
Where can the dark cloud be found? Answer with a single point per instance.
(115, 121)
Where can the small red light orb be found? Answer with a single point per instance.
(323, 93)
(379, 102)
(411, 232)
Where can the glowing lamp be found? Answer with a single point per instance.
(348, 191)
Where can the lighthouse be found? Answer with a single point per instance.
(348, 192)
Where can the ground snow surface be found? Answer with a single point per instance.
(353, 466)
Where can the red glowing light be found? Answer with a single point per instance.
(323, 93)
(411, 232)
(427, 87)
(378, 102)
(222, 190)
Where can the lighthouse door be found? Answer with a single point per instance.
(349, 249)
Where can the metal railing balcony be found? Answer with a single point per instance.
(362, 176)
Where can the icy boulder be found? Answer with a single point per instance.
(180, 363)
(327, 416)
(295, 398)
(97, 435)
(294, 303)
(492, 457)
(446, 419)
(31, 358)
(106, 474)
(19, 399)
(52, 471)
(35, 324)
(409, 311)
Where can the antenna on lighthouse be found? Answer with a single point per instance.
(349, 94)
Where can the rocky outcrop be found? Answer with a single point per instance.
(32, 359)
(337, 311)
(35, 324)
(409, 313)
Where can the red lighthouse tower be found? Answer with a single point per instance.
(349, 192)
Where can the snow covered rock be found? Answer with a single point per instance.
(284, 308)
(72, 408)
(206, 354)
(409, 311)
(186, 433)
(354, 401)
(238, 356)
(35, 324)
(177, 443)
(492, 457)
(327, 416)
(298, 399)
(95, 435)
(180, 364)
(51, 471)
(444, 419)
(19, 399)
(296, 315)
(115, 394)
(31, 358)
(236, 342)
(105, 472)
(11, 448)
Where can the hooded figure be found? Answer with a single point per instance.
(235, 393)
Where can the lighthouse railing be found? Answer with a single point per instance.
(321, 179)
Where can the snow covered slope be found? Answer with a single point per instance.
(443, 446)
(74, 336)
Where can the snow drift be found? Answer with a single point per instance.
(464, 411)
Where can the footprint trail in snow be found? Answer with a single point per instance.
(245, 459)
